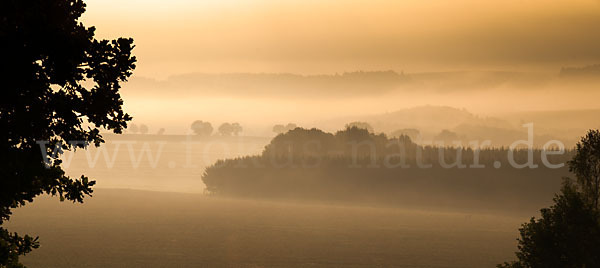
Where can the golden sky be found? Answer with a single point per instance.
(308, 36)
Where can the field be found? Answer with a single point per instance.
(129, 228)
(171, 163)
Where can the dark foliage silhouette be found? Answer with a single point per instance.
(47, 55)
(568, 233)
(586, 166)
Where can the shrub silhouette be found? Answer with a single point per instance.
(568, 233)
(586, 167)
(47, 53)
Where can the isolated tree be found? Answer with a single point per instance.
(225, 129)
(568, 233)
(60, 86)
(160, 131)
(143, 129)
(133, 128)
(363, 125)
(202, 128)
(236, 128)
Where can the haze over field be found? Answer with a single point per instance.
(179, 230)
(261, 62)
(300, 133)
(503, 99)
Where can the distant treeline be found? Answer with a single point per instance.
(273, 84)
(357, 165)
(590, 70)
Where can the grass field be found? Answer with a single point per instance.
(127, 228)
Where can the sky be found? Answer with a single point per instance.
(313, 37)
(334, 36)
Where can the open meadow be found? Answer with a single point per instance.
(129, 228)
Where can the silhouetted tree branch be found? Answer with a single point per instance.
(59, 85)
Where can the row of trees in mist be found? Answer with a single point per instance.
(279, 84)
(142, 129)
(202, 128)
(445, 136)
(589, 70)
(355, 163)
